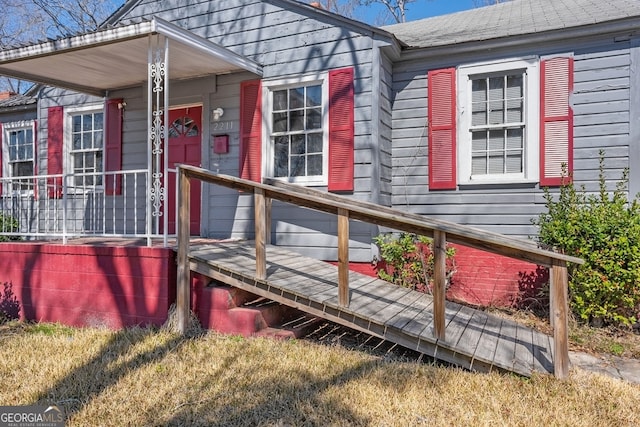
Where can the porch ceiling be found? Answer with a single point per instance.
(116, 58)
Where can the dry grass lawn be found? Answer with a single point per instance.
(144, 377)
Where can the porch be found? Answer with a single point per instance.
(125, 189)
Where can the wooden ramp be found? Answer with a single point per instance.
(474, 339)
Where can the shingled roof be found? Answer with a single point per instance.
(16, 100)
(513, 18)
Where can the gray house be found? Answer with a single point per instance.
(463, 117)
(489, 103)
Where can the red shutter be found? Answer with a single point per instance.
(1, 148)
(113, 146)
(55, 134)
(251, 130)
(341, 130)
(556, 120)
(442, 129)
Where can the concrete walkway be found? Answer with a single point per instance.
(613, 366)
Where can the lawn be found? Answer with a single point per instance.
(146, 377)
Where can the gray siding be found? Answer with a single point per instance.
(287, 40)
(601, 103)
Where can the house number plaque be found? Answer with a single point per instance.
(222, 126)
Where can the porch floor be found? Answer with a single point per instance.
(474, 339)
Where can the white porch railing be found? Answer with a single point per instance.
(109, 204)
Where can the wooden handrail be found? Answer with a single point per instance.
(349, 209)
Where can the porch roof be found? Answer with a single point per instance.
(117, 57)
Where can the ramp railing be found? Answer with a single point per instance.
(347, 209)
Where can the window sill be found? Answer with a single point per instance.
(498, 184)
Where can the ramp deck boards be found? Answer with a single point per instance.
(474, 339)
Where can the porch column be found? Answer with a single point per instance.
(157, 117)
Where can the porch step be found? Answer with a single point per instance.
(229, 310)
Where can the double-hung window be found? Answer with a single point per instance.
(498, 132)
(297, 137)
(508, 121)
(19, 151)
(86, 148)
(300, 130)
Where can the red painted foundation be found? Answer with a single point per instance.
(486, 279)
(84, 285)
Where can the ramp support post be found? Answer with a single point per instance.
(559, 281)
(439, 282)
(343, 257)
(183, 291)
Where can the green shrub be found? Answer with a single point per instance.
(604, 230)
(407, 260)
(8, 224)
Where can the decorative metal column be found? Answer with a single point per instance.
(158, 115)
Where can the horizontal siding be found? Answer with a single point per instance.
(601, 121)
(287, 41)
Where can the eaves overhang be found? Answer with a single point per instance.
(116, 58)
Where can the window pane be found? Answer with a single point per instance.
(314, 166)
(76, 124)
(77, 141)
(514, 162)
(281, 156)
(98, 121)
(479, 141)
(280, 122)
(78, 165)
(314, 143)
(22, 169)
(296, 120)
(515, 86)
(88, 161)
(87, 141)
(193, 129)
(496, 112)
(478, 164)
(279, 100)
(514, 111)
(496, 140)
(98, 140)
(298, 144)
(515, 139)
(314, 118)
(496, 88)
(87, 122)
(314, 96)
(13, 153)
(98, 161)
(297, 166)
(296, 98)
(496, 164)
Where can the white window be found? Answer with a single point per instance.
(498, 122)
(18, 154)
(85, 136)
(296, 140)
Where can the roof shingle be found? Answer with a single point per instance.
(516, 17)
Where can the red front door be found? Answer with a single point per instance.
(185, 146)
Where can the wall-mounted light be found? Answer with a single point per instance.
(217, 113)
(122, 105)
